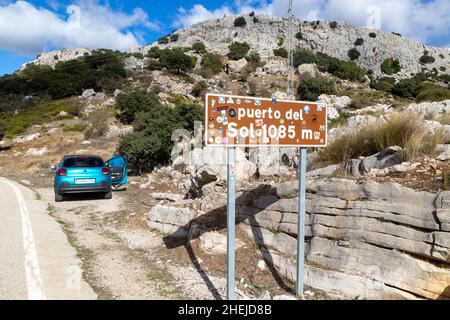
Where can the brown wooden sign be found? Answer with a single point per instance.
(249, 121)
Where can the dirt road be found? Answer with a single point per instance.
(36, 259)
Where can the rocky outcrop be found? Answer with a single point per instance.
(372, 240)
(263, 37)
(51, 58)
(375, 240)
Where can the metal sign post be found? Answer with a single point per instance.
(301, 221)
(231, 224)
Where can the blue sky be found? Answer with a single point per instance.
(29, 27)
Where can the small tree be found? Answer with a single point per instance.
(212, 62)
(176, 61)
(426, 58)
(253, 57)
(333, 24)
(299, 35)
(130, 104)
(372, 35)
(390, 66)
(238, 50)
(240, 22)
(174, 37)
(199, 47)
(359, 42)
(312, 88)
(280, 52)
(353, 54)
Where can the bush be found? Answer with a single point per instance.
(353, 54)
(311, 89)
(433, 93)
(99, 125)
(174, 37)
(407, 88)
(280, 41)
(401, 129)
(425, 59)
(176, 61)
(163, 40)
(251, 14)
(199, 47)
(150, 143)
(280, 52)
(199, 89)
(359, 42)
(238, 50)
(130, 104)
(253, 58)
(299, 35)
(372, 35)
(2, 131)
(240, 22)
(154, 53)
(390, 66)
(212, 62)
(384, 84)
(255, 19)
(302, 56)
(444, 78)
(333, 24)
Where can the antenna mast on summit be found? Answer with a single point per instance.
(290, 49)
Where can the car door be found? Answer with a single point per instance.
(118, 166)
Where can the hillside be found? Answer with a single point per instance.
(263, 34)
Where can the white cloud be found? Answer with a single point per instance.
(199, 13)
(420, 20)
(29, 30)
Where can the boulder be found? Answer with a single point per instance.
(332, 113)
(385, 158)
(276, 66)
(216, 243)
(26, 138)
(33, 152)
(171, 220)
(133, 64)
(308, 70)
(88, 93)
(63, 114)
(5, 143)
(237, 66)
(339, 103)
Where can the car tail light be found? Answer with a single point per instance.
(62, 172)
(105, 171)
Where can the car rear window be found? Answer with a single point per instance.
(83, 162)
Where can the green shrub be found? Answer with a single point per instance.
(425, 59)
(154, 53)
(280, 52)
(163, 40)
(176, 61)
(212, 62)
(75, 128)
(401, 129)
(384, 84)
(128, 105)
(359, 42)
(240, 22)
(407, 88)
(390, 66)
(312, 88)
(255, 19)
(397, 34)
(372, 35)
(253, 57)
(299, 35)
(302, 56)
(353, 54)
(199, 89)
(150, 143)
(238, 50)
(251, 14)
(199, 47)
(174, 37)
(433, 93)
(444, 78)
(280, 41)
(333, 24)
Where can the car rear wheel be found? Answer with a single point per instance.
(58, 197)
(107, 195)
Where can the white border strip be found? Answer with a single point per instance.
(35, 286)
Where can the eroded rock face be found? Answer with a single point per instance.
(378, 238)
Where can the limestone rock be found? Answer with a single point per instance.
(216, 243)
(33, 152)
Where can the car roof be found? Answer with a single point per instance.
(81, 155)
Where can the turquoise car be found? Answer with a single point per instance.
(82, 174)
